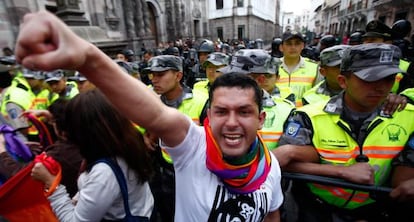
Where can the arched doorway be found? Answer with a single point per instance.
(153, 22)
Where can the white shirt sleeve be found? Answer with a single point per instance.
(97, 193)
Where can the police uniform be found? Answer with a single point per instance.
(344, 137)
(330, 57)
(70, 90)
(302, 78)
(378, 29)
(216, 59)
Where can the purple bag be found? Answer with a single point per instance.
(17, 148)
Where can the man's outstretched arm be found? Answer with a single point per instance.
(46, 43)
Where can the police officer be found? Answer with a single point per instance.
(26, 92)
(197, 72)
(215, 61)
(326, 42)
(166, 72)
(82, 82)
(400, 30)
(355, 38)
(348, 137)
(275, 48)
(296, 72)
(330, 61)
(259, 65)
(58, 84)
(378, 32)
(147, 55)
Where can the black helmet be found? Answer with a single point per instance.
(206, 46)
(276, 43)
(175, 51)
(128, 52)
(401, 28)
(192, 53)
(355, 38)
(328, 41)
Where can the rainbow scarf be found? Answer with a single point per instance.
(239, 175)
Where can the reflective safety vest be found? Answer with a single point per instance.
(19, 94)
(202, 87)
(192, 106)
(276, 116)
(71, 91)
(386, 138)
(311, 96)
(408, 93)
(41, 101)
(300, 80)
(284, 92)
(404, 67)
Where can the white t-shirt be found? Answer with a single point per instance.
(100, 197)
(200, 194)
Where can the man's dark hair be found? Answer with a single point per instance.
(237, 80)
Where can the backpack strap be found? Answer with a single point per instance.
(121, 181)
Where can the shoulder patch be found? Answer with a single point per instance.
(13, 113)
(292, 129)
(411, 142)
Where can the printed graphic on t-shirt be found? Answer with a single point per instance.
(228, 207)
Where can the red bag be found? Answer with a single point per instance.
(22, 199)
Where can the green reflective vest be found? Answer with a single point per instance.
(404, 67)
(386, 138)
(311, 96)
(276, 116)
(300, 80)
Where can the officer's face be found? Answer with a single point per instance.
(292, 48)
(363, 96)
(121, 57)
(35, 83)
(57, 86)
(212, 73)
(234, 119)
(331, 76)
(202, 57)
(270, 82)
(84, 86)
(165, 82)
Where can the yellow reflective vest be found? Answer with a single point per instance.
(277, 110)
(299, 80)
(408, 93)
(404, 67)
(386, 138)
(318, 93)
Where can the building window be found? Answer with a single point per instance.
(240, 32)
(219, 4)
(220, 33)
(240, 3)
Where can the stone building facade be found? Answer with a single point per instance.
(114, 25)
(244, 19)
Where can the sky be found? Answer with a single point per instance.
(295, 6)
